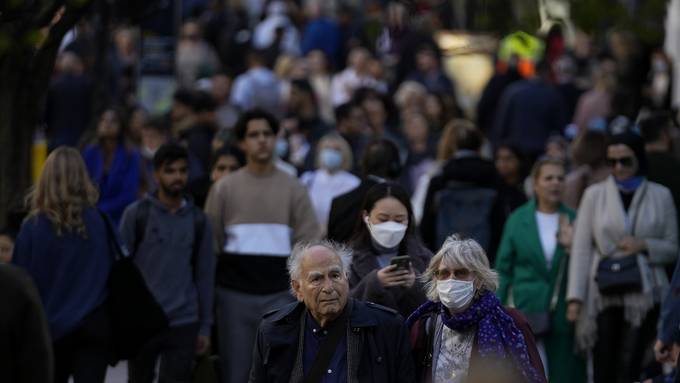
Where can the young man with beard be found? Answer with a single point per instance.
(170, 241)
(257, 213)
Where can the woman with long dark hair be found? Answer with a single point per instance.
(64, 246)
(114, 167)
(386, 229)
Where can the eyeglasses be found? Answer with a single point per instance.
(626, 162)
(444, 274)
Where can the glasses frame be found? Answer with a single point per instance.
(626, 162)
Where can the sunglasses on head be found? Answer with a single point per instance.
(626, 162)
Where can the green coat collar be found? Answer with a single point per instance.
(528, 219)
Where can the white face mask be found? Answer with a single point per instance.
(455, 294)
(387, 234)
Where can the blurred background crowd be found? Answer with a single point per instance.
(469, 94)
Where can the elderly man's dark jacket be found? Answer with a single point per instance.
(377, 344)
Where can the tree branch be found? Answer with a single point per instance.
(45, 56)
(45, 15)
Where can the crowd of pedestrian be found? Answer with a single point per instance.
(316, 205)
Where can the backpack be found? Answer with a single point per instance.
(129, 293)
(466, 210)
(142, 216)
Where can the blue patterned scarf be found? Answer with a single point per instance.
(497, 335)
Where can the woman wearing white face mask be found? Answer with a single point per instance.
(385, 230)
(463, 333)
(331, 179)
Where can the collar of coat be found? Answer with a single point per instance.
(359, 315)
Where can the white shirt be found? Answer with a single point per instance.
(346, 82)
(453, 358)
(548, 225)
(323, 187)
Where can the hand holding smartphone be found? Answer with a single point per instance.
(402, 262)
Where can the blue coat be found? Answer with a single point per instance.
(120, 186)
(528, 113)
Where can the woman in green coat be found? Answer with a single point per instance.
(532, 265)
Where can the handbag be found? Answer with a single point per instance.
(136, 316)
(540, 321)
(619, 275)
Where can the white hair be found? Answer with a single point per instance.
(297, 256)
(465, 253)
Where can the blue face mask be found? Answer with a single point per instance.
(281, 147)
(331, 159)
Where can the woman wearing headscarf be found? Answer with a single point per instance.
(625, 234)
(463, 333)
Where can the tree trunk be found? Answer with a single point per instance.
(26, 65)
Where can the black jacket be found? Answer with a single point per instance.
(377, 345)
(345, 212)
(472, 170)
(365, 285)
(25, 345)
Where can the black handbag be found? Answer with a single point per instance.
(540, 321)
(619, 275)
(135, 314)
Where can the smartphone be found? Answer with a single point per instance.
(403, 262)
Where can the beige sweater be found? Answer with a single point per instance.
(256, 220)
(601, 223)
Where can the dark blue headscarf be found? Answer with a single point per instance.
(636, 144)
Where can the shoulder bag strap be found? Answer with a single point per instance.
(141, 219)
(558, 283)
(116, 249)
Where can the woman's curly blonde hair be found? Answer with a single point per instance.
(63, 191)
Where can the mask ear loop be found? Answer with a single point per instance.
(477, 286)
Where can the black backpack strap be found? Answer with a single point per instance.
(112, 238)
(199, 232)
(141, 218)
